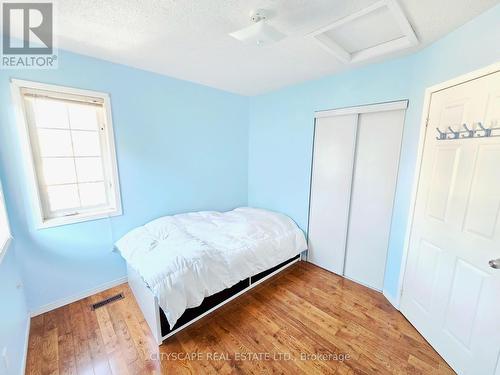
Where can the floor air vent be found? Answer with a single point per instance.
(107, 300)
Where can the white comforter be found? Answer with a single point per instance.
(185, 258)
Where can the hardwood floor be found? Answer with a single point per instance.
(304, 320)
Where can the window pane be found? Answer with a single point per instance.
(51, 114)
(86, 143)
(92, 194)
(69, 149)
(63, 197)
(58, 171)
(89, 169)
(54, 142)
(83, 116)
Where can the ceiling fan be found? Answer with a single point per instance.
(260, 32)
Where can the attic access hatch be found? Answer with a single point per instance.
(377, 30)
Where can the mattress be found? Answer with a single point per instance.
(187, 257)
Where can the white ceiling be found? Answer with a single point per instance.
(188, 39)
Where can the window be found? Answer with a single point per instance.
(4, 226)
(70, 150)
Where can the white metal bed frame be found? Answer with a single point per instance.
(148, 303)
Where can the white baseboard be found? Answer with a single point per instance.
(391, 299)
(65, 301)
(26, 341)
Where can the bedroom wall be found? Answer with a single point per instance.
(180, 147)
(281, 122)
(13, 314)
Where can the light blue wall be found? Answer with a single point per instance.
(14, 316)
(13, 313)
(180, 147)
(281, 122)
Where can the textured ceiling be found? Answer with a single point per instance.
(188, 39)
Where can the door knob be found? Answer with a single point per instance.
(494, 263)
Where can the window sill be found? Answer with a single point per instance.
(4, 247)
(66, 220)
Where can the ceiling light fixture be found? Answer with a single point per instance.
(260, 33)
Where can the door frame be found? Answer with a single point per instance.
(490, 69)
(364, 108)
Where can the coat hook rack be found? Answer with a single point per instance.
(466, 133)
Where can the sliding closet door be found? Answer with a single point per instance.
(334, 147)
(372, 197)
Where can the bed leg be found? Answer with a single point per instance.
(157, 333)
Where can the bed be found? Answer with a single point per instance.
(182, 267)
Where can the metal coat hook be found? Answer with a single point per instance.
(455, 133)
(442, 135)
(470, 132)
(487, 132)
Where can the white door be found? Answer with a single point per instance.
(334, 147)
(372, 198)
(451, 294)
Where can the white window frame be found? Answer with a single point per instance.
(4, 242)
(42, 221)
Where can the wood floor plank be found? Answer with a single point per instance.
(95, 342)
(50, 352)
(34, 360)
(304, 320)
(172, 361)
(80, 332)
(288, 339)
(66, 357)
